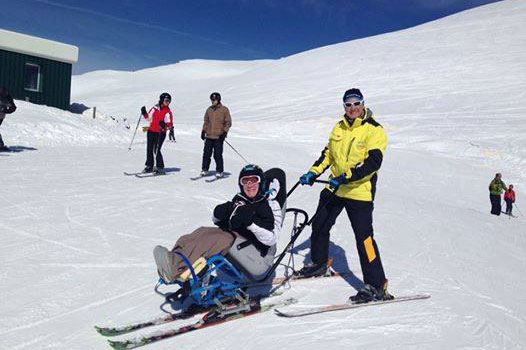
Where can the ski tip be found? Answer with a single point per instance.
(118, 345)
(280, 313)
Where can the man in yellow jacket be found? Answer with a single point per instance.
(354, 155)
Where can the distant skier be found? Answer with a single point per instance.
(161, 119)
(7, 106)
(216, 124)
(509, 198)
(354, 154)
(496, 187)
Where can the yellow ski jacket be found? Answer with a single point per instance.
(357, 150)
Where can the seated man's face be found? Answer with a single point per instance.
(250, 185)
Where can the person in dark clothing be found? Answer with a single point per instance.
(509, 198)
(216, 124)
(7, 106)
(496, 187)
(161, 119)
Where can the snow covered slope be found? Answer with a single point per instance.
(76, 236)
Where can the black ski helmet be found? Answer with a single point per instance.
(250, 170)
(215, 96)
(164, 96)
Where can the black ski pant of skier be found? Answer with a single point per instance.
(509, 206)
(153, 148)
(215, 147)
(360, 214)
(496, 207)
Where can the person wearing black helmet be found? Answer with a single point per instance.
(161, 119)
(217, 122)
(7, 106)
(249, 214)
(354, 154)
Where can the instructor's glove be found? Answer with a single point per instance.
(143, 111)
(308, 178)
(162, 124)
(222, 137)
(335, 182)
(203, 135)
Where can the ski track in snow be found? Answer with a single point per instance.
(77, 235)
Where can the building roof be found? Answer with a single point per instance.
(35, 46)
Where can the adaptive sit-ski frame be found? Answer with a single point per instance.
(207, 289)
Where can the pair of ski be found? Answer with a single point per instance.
(212, 317)
(141, 174)
(214, 178)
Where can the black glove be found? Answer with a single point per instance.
(203, 135)
(222, 137)
(162, 124)
(143, 110)
(243, 217)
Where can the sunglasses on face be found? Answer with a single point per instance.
(355, 104)
(249, 180)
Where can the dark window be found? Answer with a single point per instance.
(32, 77)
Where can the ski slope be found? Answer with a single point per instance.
(77, 236)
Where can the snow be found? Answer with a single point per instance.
(77, 236)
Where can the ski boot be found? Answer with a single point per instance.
(164, 259)
(311, 270)
(147, 170)
(369, 293)
(160, 171)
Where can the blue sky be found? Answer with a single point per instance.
(135, 34)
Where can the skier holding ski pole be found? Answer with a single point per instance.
(354, 154)
(217, 122)
(161, 119)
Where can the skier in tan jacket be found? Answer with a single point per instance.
(216, 124)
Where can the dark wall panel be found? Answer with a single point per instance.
(55, 84)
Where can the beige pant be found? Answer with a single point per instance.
(203, 242)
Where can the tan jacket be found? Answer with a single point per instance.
(217, 121)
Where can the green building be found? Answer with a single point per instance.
(35, 69)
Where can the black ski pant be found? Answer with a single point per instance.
(495, 204)
(153, 148)
(215, 147)
(509, 206)
(360, 214)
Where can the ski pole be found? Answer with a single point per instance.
(228, 143)
(518, 209)
(135, 132)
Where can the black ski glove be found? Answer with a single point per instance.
(162, 124)
(243, 217)
(143, 110)
(203, 135)
(222, 137)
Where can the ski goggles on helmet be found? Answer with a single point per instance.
(249, 180)
(355, 103)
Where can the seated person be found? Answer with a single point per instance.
(253, 214)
